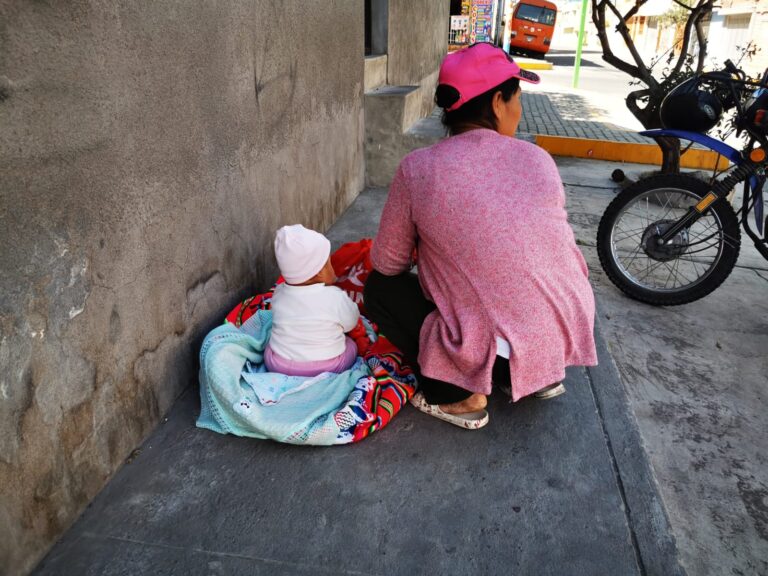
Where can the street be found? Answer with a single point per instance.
(599, 83)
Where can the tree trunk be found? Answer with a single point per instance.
(650, 119)
(670, 150)
(645, 103)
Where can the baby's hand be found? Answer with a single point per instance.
(360, 336)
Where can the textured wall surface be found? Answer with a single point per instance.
(417, 43)
(148, 152)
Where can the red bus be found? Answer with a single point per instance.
(531, 27)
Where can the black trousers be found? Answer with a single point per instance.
(398, 305)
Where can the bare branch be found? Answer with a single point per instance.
(645, 103)
(696, 15)
(632, 11)
(623, 29)
(683, 5)
(701, 38)
(598, 18)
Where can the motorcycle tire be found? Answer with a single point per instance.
(727, 240)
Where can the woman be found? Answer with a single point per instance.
(502, 293)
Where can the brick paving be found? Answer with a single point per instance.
(571, 115)
(553, 114)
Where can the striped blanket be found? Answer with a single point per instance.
(238, 395)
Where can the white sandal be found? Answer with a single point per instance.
(469, 420)
(550, 391)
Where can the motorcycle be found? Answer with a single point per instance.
(673, 238)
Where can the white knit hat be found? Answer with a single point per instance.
(300, 253)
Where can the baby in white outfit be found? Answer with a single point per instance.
(309, 315)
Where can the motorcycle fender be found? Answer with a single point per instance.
(720, 147)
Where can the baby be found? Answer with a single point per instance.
(309, 314)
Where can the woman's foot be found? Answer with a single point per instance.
(474, 403)
(473, 420)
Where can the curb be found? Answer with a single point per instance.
(647, 517)
(625, 152)
(526, 65)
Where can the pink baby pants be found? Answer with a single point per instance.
(339, 364)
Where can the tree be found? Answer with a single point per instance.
(645, 102)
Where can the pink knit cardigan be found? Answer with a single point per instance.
(496, 255)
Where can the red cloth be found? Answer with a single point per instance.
(352, 265)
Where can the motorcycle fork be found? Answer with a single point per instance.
(721, 189)
(760, 243)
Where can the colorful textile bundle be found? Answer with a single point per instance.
(238, 395)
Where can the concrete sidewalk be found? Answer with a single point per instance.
(549, 487)
(546, 488)
(567, 486)
(695, 376)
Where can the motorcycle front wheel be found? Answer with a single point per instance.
(690, 265)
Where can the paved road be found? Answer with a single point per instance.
(595, 74)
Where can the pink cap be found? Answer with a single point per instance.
(477, 69)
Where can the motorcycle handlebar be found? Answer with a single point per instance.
(731, 67)
(728, 72)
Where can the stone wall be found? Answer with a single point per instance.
(148, 152)
(417, 43)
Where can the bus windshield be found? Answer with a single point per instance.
(537, 14)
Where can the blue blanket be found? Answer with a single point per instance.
(240, 397)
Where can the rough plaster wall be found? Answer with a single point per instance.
(417, 42)
(148, 151)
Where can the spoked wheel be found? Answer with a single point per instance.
(688, 267)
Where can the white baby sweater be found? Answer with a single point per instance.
(309, 322)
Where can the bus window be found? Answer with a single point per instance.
(537, 14)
